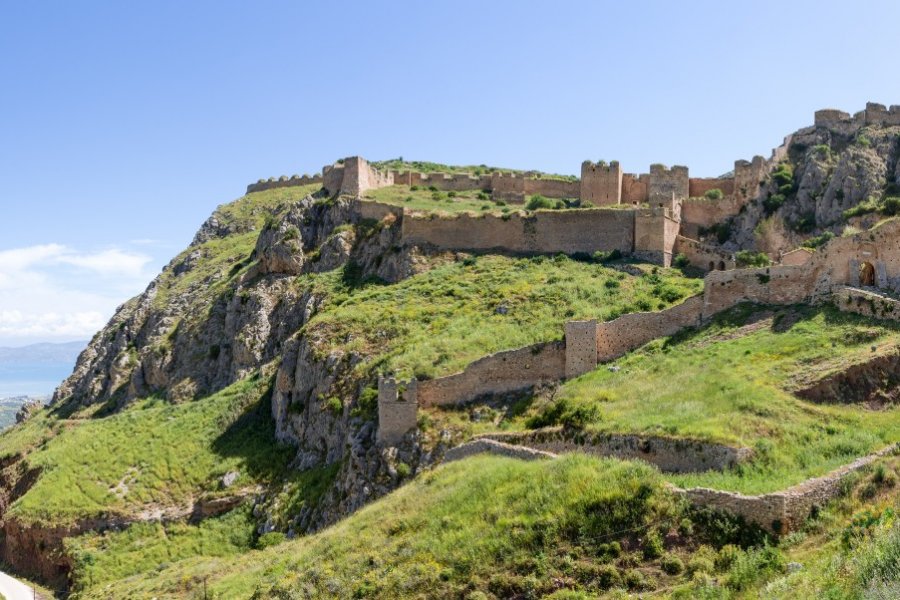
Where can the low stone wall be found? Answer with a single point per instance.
(621, 335)
(283, 182)
(767, 285)
(567, 231)
(784, 511)
(499, 373)
(867, 303)
(482, 446)
(671, 455)
(443, 181)
(552, 188)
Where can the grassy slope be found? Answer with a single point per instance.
(486, 523)
(729, 384)
(436, 323)
(153, 455)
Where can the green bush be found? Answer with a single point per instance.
(538, 202)
(753, 565)
(714, 194)
(671, 564)
(890, 206)
(773, 203)
(747, 258)
(681, 261)
(562, 412)
(653, 545)
(819, 240)
(604, 257)
(272, 538)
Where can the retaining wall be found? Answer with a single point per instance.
(482, 446)
(703, 256)
(671, 455)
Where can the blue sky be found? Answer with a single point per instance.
(124, 124)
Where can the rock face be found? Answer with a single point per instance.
(835, 168)
(229, 305)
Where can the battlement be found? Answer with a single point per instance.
(352, 176)
(667, 186)
(283, 181)
(601, 183)
(874, 115)
(878, 114)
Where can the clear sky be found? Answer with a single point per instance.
(124, 124)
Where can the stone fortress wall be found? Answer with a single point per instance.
(283, 181)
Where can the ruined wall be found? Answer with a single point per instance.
(698, 186)
(370, 209)
(766, 285)
(397, 408)
(703, 256)
(800, 256)
(499, 373)
(672, 455)
(601, 184)
(748, 177)
(785, 511)
(878, 114)
(487, 446)
(621, 335)
(635, 188)
(283, 181)
(867, 303)
(581, 347)
(666, 186)
(569, 231)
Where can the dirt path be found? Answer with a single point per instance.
(13, 589)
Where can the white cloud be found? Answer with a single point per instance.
(52, 292)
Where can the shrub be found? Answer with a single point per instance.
(608, 577)
(681, 261)
(335, 405)
(773, 203)
(753, 565)
(413, 188)
(700, 564)
(538, 202)
(747, 258)
(272, 538)
(686, 527)
(653, 545)
(819, 240)
(482, 196)
(890, 206)
(451, 194)
(563, 413)
(863, 141)
(671, 564)
(403, 470)
(714, 194)
(635, 580)
(726, 556)
(431, 188)
(603, 257)
(869, 205)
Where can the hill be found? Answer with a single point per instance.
(291, 407)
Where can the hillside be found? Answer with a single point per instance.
(292, 406)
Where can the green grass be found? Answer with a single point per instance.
(438, 322)
(99, 558)
(732, 385)
(421, 166)
(153, 454)
(224, 258)
(484, 524)
(425, 200)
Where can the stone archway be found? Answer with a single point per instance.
(712, 265)
(721, 265)
(867, 274)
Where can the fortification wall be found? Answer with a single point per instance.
(782, 512)
(601, 184)
(283, 182)
(552, 188)
(703, 256)
(621, 335)
(878, 114)
(370, 209)
(397, 410)
(666, 186)
(581, 347)
(669, 454)
(499, 373)
(800, 256)
(697, 213)
(767, 285)
(569, 231)
(458, 182)
(698, 186)
(353, 176)
(508, 186)
(867, 303)
(654, 235)
(635, 188)
(748, 177)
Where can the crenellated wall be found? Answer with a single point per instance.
(282, 182)
(666, 186)
(353, 176)
(635, 188)
(601, 183)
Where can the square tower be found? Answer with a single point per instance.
(601, 183)
(668, 187)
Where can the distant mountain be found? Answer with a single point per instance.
(37, 369)
(10, 406)
(42, 353)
